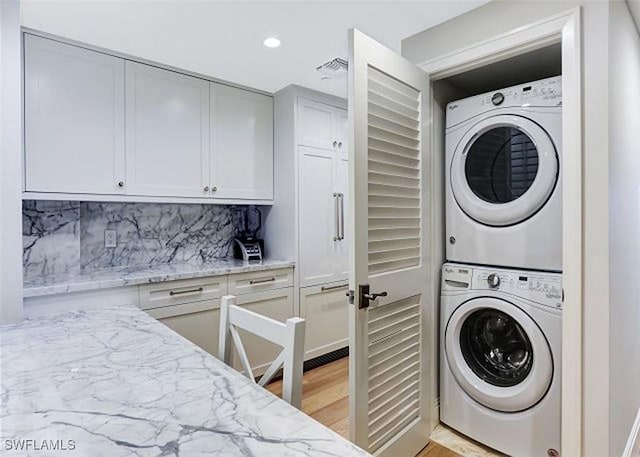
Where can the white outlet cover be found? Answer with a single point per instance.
(110, 238)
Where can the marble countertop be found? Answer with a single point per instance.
(115, 382)
(128, 276)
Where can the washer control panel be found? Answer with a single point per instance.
(542, 288)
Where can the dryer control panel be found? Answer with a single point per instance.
(543, 93)
(542, 288)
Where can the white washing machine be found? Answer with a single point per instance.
(500, 359)
(503, 186)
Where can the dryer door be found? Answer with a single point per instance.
(498, 354)
(504, 170)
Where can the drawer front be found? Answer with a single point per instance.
(258, 281)
(170, 293)
(326, 310)
(276, 304)
(198, 322)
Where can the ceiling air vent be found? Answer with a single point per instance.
(334, 69)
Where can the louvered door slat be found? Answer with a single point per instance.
(394, 172)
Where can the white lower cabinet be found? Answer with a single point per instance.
(276, 304)
(326, 310)
(191, 308)
(198, 322)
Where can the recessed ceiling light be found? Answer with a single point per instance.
(271, 42)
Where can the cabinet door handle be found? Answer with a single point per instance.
(120, 183)
(206, 188)
(340, 144)
(335, 143)
(336, 217)
(339, 286)
(261, 281)
(341, 225)
(190, 291)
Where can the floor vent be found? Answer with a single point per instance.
(326, 358)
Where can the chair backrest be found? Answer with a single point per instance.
(288, 335)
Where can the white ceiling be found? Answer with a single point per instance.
(224, 39)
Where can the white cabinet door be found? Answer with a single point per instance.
(318, 226)
(241, 143)
(167, 133)
(198, 322)
(341, 259)
(276, 304)
(341, 131)
(74, 119)
(315, 124)
(326, 310)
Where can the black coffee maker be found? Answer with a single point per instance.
(246, 245)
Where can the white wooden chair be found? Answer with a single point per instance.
(288, 335)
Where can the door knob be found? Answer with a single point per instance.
(214, 188)
(340, 144)
(120, 183)
(206, 188)
(335, 143)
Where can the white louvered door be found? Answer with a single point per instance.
(388, 252)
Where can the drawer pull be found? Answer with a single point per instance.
(261, 281)
(189, 291)
(340, 286)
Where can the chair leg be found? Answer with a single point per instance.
(293, 362)
(224, 338)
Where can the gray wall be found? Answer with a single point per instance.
(624, 223)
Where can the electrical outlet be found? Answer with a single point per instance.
(110, 238)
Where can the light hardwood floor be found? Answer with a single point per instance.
(325, 397)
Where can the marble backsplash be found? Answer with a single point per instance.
(62, 237)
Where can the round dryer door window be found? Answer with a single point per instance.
(498, 354)
(504, 170)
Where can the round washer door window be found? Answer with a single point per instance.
(498, 354)
(504, 170)
(496, 347)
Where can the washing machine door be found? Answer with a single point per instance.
(498, 354)
(504, 170)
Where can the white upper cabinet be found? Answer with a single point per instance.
(241, 143)
(315, 124)
(167, 132)
(74, 119)
(99, 127)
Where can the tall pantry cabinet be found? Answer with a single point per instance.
(308, 221)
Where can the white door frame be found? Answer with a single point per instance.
(565, 28)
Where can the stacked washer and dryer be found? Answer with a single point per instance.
(501, 307)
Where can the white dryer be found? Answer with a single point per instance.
(503, 186)
(500, 357)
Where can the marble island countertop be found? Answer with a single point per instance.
(104, 278)
(115, 382)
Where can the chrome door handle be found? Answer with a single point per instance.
(341, 225)
(336, 217)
